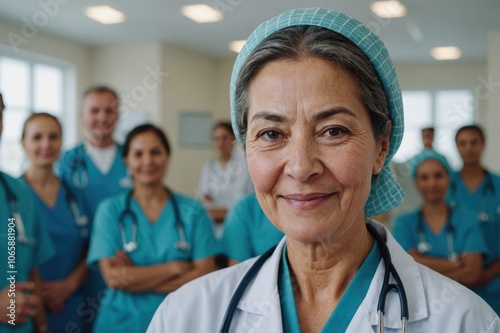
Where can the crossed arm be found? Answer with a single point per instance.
(119, 272)
(466, 270)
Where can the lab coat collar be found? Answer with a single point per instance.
(409, 273)
(262, 296)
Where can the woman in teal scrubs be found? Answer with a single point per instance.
(444, 238)
(477, 190)
(23, 234)
(147, 241)
(62, 213)
(247, 231)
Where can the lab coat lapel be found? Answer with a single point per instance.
(409, 272)
(260, 305)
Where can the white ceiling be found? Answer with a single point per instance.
(464, 23)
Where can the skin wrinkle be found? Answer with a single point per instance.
(294, 148)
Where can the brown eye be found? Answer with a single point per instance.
(271, 135)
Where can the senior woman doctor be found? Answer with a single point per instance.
(316, 101)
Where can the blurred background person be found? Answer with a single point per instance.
(247, 231)
(428, 137)
(32, 247)
(437, 235)
(63, 214)
(147, 241)
(224, 179)
(478, 190)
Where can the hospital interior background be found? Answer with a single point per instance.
(174, 72)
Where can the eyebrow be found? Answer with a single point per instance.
(333, 111)
(317, 117)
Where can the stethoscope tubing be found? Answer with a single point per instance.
(386, 288)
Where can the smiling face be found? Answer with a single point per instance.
(147, 159)
(310, 148)
(432, 181)
(100, 113)
(42, 141)
(470, 146)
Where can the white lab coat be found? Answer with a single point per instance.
(436, 303)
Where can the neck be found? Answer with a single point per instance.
(40, 176)
(325, 270)
(100, 142)
(435, 208)
(150, 193)
(472, 170)
(223, 159)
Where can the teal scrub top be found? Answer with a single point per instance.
(467, 236)
(79, 171)
(27, 256)
(347, 306)
(70, 246)
(123, 311)
(485, 198)
(247, 230)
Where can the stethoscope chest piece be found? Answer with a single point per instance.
(182, 246)
(130, 247)
(483, 217)
(424, 247)
(453, 256)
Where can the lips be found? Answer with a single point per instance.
(307, 201)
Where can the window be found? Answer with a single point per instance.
(446, 111)
(29, 84)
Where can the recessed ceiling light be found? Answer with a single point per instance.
(236, 45)
(201, 13)
(388, 9)
(446, 53)
(105, 14)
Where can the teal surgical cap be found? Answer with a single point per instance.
(428, 154)
(386, 193)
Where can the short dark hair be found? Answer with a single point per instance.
(143, 129)
(476, 128)
(101, 89)
(225, 125)
(428, 129)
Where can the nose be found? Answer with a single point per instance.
(303, 162)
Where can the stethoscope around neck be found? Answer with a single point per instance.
(424, 247)
(80, 173)
(132, 245)
(81, 221)
(482, 215)
(386, 287)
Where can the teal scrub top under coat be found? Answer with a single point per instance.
(27, 255)
(346, 307)
(467, 237)
(483, 198)
(247, 230)
(122, 311)
(70, 247)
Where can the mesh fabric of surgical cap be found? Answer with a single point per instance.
(428, 154)
(386, 193)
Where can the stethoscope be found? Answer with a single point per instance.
(132, 245)
(482, 215)
(423, 246)
(80, 175)
(386, 287)
(81, 221)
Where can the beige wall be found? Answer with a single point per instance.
(491, 93)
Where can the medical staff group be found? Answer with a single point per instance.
(105, 227)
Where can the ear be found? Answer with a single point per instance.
(383, 150)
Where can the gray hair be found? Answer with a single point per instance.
(300, 42)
